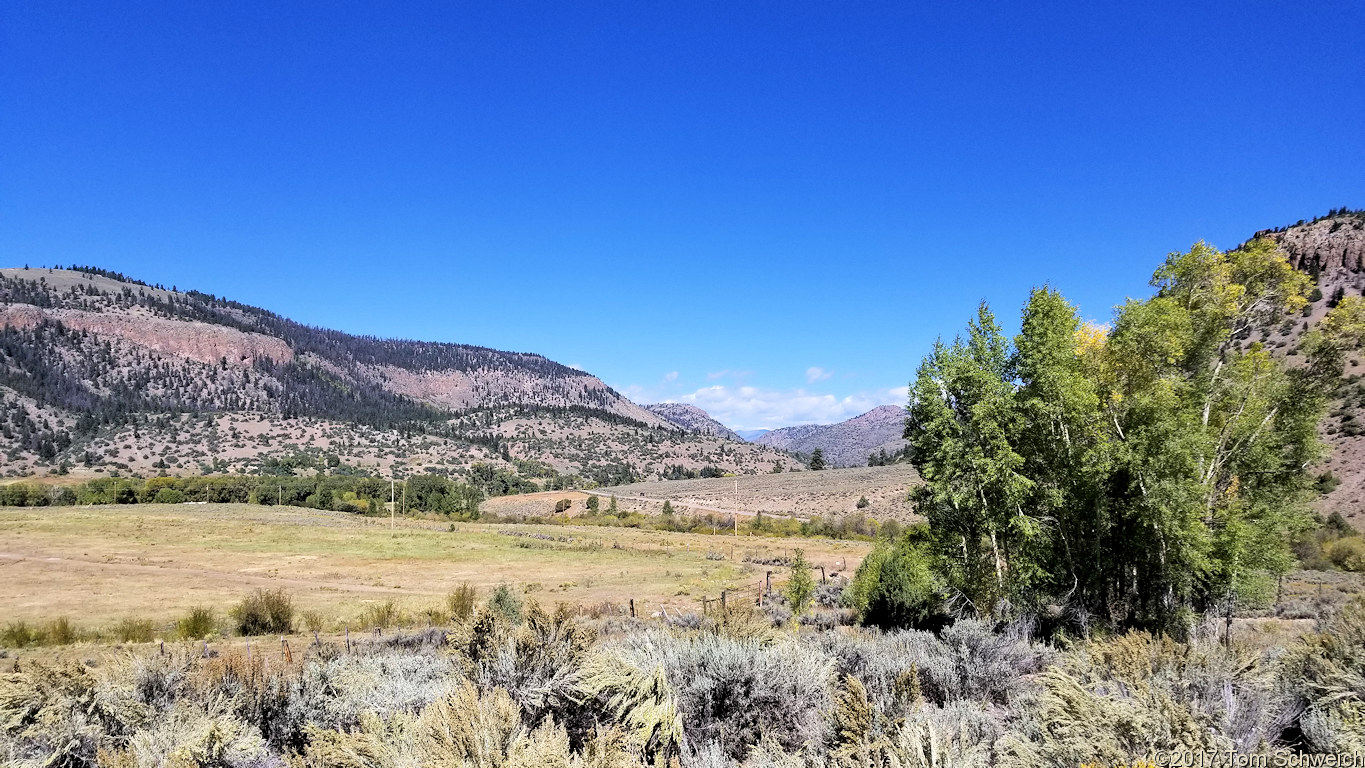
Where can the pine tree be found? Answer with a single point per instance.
(817, 459)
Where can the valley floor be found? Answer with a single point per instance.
(827, 493)
(100, 565)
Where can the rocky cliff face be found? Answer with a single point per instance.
(201, 342)
(1330, 249)
(693, 419)
(848, 443)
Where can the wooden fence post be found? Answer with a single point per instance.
(632, 607)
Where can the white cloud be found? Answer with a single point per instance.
(755, 408)
(815, 373)
(671, 376)
(716, 374)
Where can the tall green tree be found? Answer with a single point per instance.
(1061, 438)
(1136, 473)
(962, 419)
(1210, 443)
(817, 459)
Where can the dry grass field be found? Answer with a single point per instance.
(99, 565)
(828, 493)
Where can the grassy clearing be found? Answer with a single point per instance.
(828, 493)
(107, 567)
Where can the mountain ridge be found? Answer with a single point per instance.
(848, 443)
(693, 419)
(94, 364)
(1331, 250)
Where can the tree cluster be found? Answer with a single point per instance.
(1129, 475)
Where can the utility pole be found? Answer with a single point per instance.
(392, 505)
(734, 502)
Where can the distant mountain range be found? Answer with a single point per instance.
(848, 443)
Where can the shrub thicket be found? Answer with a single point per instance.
(264, 612)
(725, 690)
(133, 630)
(505, 603)
(895, 585)
(460, 602)
(198, 624)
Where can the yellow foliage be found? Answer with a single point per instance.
(1348, 554)
(466, 730)
(1091, 338)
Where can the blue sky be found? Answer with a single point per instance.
(767, 209)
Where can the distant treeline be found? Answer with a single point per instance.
(856, 525)
(360, 495)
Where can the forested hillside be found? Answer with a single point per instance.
(102, 372)
(693, 419)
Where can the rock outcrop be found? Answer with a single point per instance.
(196, 341)
(1330, 249)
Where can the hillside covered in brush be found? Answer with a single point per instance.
(693, 419)
(203, 383)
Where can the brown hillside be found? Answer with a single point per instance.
(1332, 250)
